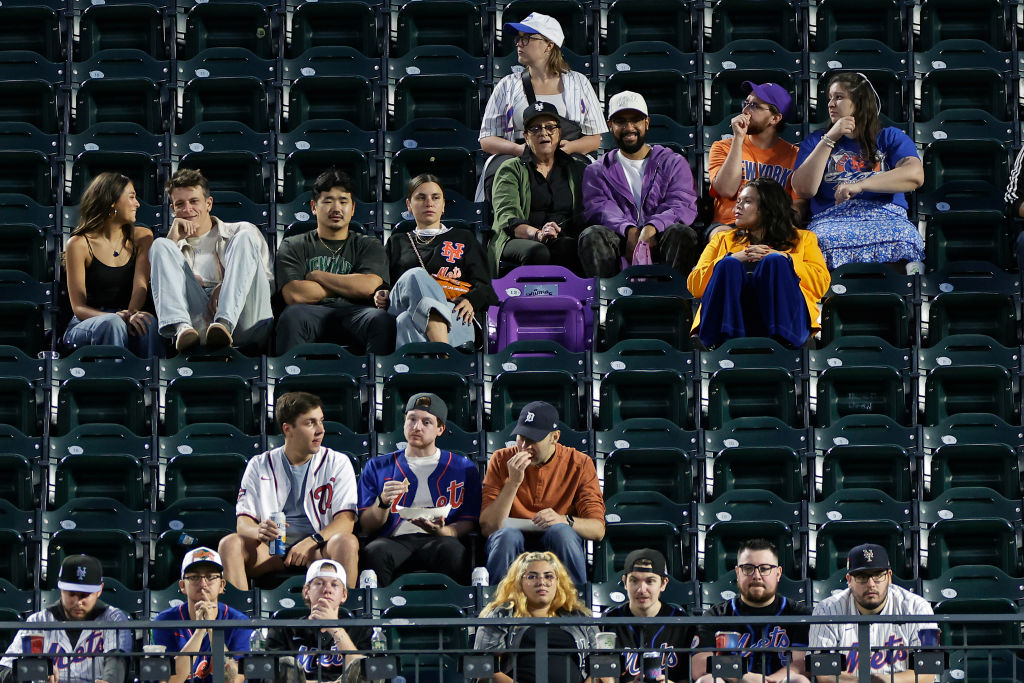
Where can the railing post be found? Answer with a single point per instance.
(863, 652)
(217, 655)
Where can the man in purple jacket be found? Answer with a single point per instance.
(638, 193)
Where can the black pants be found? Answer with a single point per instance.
(601, 250)
(396, 555)
(561, 251)
(340, 322)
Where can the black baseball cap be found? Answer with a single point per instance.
(538, 109)
(430, 403)
(537, 420)
(80, 574)
(867, 557)
(646, 560)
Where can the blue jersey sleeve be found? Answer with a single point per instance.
(369, 486)
(896, 145)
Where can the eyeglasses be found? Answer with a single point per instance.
(547, 128)
(525, 39)
(762, 569)
(534, 577)
(199, 578)
(750, 104)
(874, 577)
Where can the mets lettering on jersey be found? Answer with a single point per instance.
(889, 658)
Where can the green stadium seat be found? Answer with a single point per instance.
(535, 370)
(332, 82)
(314, 146)
(225, 84)
(753, 377)
(646, 20)
(972, 525)
(23, 390)
(644, 378)
(103, 384)
(971, 582)
(287, 597)
(982, 235)
(24, 230)
(442, 147)
(435, 82)
(862, 376)
(573, 16)
(886, 68)
(969, 373)
(423, 589)
(739, 515)
(210, 387)
(32, 25)
(837, 20)
(659, 71)
(646, 302)
(740, 19)
(963, 175)
(29, 91)
(229, 24)
(868, 451)
(122, 85)
(869, 299)
(133, 26)
(452, 22)
(643, 520)
(329, 371)
(971, 297)
(428, 366)
(422, 649)
(234, 157)
(18, 552)
(325, 24)
(982, 20)
(186, 524)
(974, 449)
(100, 527)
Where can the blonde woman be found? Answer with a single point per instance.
(537, 585)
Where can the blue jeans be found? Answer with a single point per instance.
(505, 545)
(109, 329)
(413, 296)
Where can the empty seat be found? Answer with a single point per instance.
(649, 454)
(555, 306)
(29, 91)
(974, 449)
(963, 175)
(752, 377)
(868, 451)
(969, 373)
(861, 20)
(868, 299)
(103, 475)
(32, 25)
(340, 379)
(229, 24)
(225, 84)
(657, 70)
(24, 227)
(233, 156)
(982, 235)
(970, 297)
(435, 82)
(23, 391)
(208, 438)
(126, 85)
(314, 146)
(25, 306)
(740, 19)
(862, 375)
(210, 387)
(18, 561)
(345, 23)
(982, 20)
(966, 88)
(452, 22)
(644, 378)
(643, 520)
(535, 370)
(646, 302)
(971, 526)
(442, 147)
(103, 384)
(639, 20)
(135, 26)
(100, 527)
(332, 82)
(760, 453)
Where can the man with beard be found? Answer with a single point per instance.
(755, 149)
(870, 591)
(637, 194)
(757, 580)
(80, 584)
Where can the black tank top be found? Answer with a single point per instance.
(108, 287)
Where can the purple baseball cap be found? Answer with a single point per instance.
(774, 94)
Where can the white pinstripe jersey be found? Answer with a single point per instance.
(843, 637)
(503, 116)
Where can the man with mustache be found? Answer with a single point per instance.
(638, 193)
(327, 277)
(757, 579)
(755, 149)
(870, 591)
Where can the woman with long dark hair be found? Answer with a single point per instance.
(536, 585)
(440, 274)
(107, 260)
(763, 278)
(856, 174)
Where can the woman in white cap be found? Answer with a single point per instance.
(545, 77)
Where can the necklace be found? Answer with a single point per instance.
(334, 252)
(423, 241)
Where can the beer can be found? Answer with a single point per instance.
(368, 579)
(727, 640)
(653, 669)
(929, 637)
(480, 577)
(32, 644)
(278, 546)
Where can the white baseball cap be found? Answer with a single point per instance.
(538, 23)
(201, 555)
(320, 568)
(627, 99)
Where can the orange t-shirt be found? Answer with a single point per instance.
(567, 483)
(776, 162)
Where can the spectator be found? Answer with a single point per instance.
(321, 651)
(538, 206)
(421, 259)
(420, 476)
(202, 580)
(637, 193)
(757, 579)
(545, 77)
(855, 174)
(81, 584)
(315, 488)
(327, 277)
(645, 576)
(211, 280)
(755, 150)
(107, 259)
(540, 493)
(763, 278)
(537, 585)
(870, 591)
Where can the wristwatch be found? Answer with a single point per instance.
(381, 504)
(319, 540)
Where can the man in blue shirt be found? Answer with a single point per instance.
(202, 580)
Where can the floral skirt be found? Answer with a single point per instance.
(862, 231)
